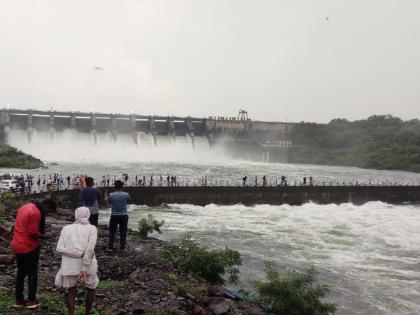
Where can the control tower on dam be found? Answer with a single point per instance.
(241, 136)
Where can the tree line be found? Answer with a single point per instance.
(379, 142)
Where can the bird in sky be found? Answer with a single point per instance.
(98, 68)
(327, 18)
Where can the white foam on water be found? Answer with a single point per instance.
(368, 254)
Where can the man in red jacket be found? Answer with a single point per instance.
(29, 228)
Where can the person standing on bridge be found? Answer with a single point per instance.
(119, 216)
(91, 197)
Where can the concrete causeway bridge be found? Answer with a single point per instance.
(259, 140)
(248, 195)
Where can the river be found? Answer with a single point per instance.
(369, 254)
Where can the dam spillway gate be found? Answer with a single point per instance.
(255, 140)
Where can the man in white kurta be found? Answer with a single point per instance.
(78, 263)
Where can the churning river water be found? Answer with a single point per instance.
(368, 255)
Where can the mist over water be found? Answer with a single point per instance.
(70, 145)
(76, 153)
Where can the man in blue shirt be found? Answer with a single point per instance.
(91, 197)
(119, 215)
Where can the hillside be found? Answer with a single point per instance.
(12, 157)
(379, 142)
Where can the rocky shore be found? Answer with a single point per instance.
(132, 282)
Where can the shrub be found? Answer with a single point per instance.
(9, 200)
(149, 225)
(209, 265)
(7, 196)
(292, 295)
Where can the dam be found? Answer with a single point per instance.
(242, 137)
(248, 195)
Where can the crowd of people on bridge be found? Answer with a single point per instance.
(31, 184)
(28, 183)
(41, 183)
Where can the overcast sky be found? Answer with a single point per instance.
(293, 60)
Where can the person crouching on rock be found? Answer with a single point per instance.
(78, 263)
(28, 229)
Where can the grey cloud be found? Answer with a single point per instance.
(278, 59)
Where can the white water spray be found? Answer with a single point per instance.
(70, 146)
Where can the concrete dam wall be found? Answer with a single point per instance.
(293, 195)
(240, 136)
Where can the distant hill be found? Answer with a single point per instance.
(12, 157)
(379, 142)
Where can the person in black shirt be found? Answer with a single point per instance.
(91, 197)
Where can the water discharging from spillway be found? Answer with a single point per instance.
(71, 145)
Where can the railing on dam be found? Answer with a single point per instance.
(249, 195)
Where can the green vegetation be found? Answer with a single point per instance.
(12, 157)
(6, 301)
(184, 290)
(292, 295)
(7, 196)
(379, 142)
(7, 199)
(109, 284)
(181, 289)
(54, 303)
(208, 265)
(50, 303)
(2, 212)
(173, 277)
(149, 225)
